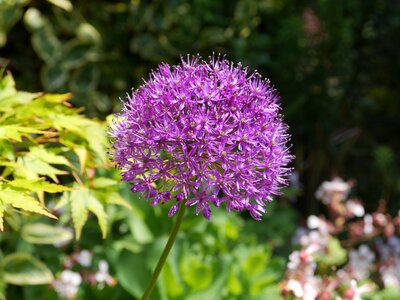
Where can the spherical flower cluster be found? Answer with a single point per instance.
(203, 133)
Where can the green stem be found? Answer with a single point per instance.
(167, 249)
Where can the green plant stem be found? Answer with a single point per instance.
(167, 249)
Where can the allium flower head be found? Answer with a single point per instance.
(203, 133)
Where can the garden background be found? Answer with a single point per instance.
(335, 64)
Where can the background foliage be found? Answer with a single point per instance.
(335, 63)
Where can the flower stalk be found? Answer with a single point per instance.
(167, 249)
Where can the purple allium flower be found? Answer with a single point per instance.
(203, 133)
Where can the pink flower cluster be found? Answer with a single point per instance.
(370, 247)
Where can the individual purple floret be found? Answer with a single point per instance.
(203, 133)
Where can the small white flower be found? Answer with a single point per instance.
(102, 276)
(330, 189)
(355, 208)
(84, 258)
(302, 260)
(368, 224)
(307, 290)
(314, 222)
(358, 291)
(67, 285)
(296, 288)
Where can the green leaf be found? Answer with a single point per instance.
(116, 198)
(64, 200)
(139, 228)
(46, 45)
(234, 285)
(24, 269)
(76, 54)
(22, 201)
(195, 272)
(96, 207)
(37, 185)
(97, 140)
(170, 275)
(40, 233)
(15, 132)
(88, 33)
(91, 131)
(9, 16)
(216, 287)
(255, 261)
(34, 19)
(7, 87)
(82, 154)
(79, 210)
(37, 166)
(334, 256)
(85, 79)
(64, 4)
(53, 76)
(103, 182)
(49, 157)
(1, 217)
(132, 272)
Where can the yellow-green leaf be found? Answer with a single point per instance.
(64, 4)
(82, 154)
(16, 132)
(96, 207)
(103, 182)
(38, 185)
(40, 167)
(1, 217)
(64, 199)
(49, 157)
(23, 201)
(112, 198)
(79, 210)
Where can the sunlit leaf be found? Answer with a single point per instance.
(1, 217)
(16, 132)
(22, 201)
(40, 167)
(64, 4)
(195, 272)
(47, 156)
(103, 182)
(97, 208)
(38, 185)
(79, 210)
